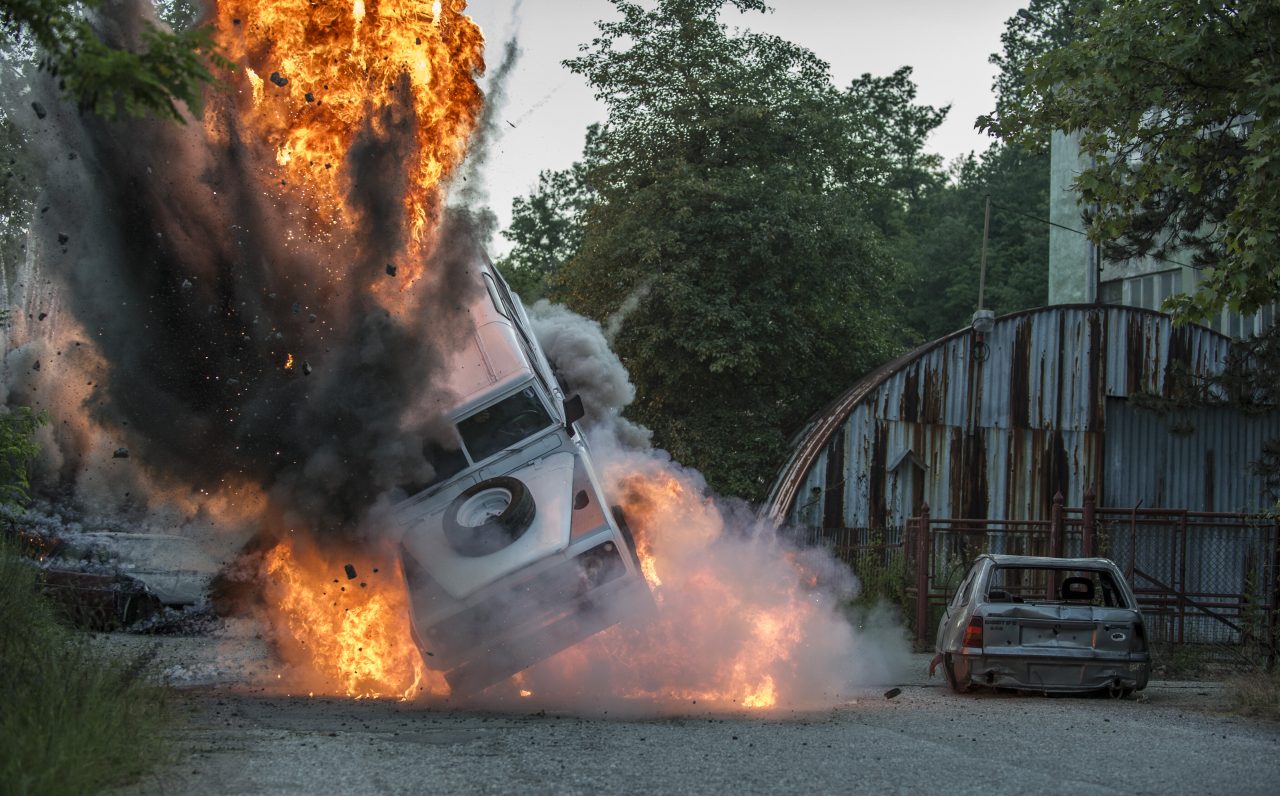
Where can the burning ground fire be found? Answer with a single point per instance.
(347, 635)
(298, 274)
(743, 621)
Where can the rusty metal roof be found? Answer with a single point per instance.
(989, 433)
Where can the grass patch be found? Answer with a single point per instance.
(71, 721)
(1185, 662)
(1256, 694)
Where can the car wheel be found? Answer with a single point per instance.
(953, 682)
(488, 516)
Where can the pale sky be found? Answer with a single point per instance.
(946, 41)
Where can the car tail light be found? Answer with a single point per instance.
(973, 633)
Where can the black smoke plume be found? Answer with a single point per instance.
(199, 280)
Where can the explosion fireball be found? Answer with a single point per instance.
(320, 74)
(266, 302)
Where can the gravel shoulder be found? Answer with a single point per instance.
(242, 739)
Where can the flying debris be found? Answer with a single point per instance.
(39, 109)
(121, 453)
(279, 79)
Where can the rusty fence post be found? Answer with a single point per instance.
(1182, 576)
(1273, 632)
(1055, 526)
(922, 574)
(1087, 531)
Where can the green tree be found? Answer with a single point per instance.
(18, 172)
(941, 246)
(547, 226)
(1041, 27)
(1177, 103)
(17, 450)
(891, 129)
(730, 189)
(159, 71)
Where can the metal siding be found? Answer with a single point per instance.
(1160, 459)
(858, 437)
(808, 508)
(1043, 398)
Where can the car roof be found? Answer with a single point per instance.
(1048, 561)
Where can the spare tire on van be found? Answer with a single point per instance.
(488, 516)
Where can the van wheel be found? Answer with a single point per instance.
(489, 516)
(949, 672)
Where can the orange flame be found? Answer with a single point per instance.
(316, 78)
(316, 73)
(344, 636)
(737, 619)
(319, 75)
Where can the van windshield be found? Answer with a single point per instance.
(503, 424)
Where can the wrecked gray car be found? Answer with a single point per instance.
(1043, 624)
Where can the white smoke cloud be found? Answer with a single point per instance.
(577, 349)
(744, 617)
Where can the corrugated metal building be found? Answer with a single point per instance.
(993, 429)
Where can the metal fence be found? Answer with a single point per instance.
(876, 555)
(1200, 577)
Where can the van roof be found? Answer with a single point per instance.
(490, 360)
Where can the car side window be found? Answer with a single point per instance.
(962, 593)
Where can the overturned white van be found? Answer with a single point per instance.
(512, 553)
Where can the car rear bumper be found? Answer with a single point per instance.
(1058, 674)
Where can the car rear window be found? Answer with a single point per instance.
(1020, 584)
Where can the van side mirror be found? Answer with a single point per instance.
(573, 410)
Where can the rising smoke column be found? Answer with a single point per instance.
(274, 292)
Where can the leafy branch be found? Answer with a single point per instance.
(168, 70)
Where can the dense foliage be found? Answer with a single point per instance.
(158, 72)
(758, 238)
(1177, 102)
(17, 449)
(73, 721)
(941, 245)
(546, 226)
(725, 219)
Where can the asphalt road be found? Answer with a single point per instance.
(1168, 740)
